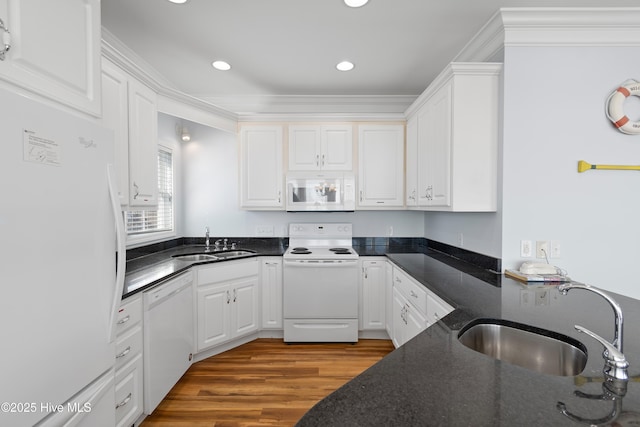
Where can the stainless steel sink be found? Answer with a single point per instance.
(196, 257)
(526, 346)
(234, 254)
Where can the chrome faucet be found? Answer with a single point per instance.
(615, 363)
(206, 238)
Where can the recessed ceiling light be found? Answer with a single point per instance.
(221, 65)
(345, 66)
(355, 3)
(178, 1)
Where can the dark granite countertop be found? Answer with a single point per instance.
(433, 380)
(146, 271)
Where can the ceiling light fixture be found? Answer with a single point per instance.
(355, 3)
(183, 133)
(178, 1)
(345, 66)
(221, 65)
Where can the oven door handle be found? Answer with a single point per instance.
(321, 264)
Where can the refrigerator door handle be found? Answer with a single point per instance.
(121, 251)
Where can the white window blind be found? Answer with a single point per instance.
(147, 221)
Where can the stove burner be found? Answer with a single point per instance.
(300, 251)
(340, 251)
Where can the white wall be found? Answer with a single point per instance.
(210, 188)
(554, 101)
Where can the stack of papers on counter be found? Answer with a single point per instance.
(536, 277)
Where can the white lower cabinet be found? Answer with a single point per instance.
(271, 287)
(372, 294)
(414, 308)
(129, 362)
(227, 302)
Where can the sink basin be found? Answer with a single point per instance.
(196, 257)
(526, 346)
(233, 254)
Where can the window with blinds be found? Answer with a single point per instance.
(147, 221)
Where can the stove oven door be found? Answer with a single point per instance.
(320, 301)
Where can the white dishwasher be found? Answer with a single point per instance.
(168, 337)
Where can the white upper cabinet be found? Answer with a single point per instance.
(320, 147)
(261, 175)
(115, 116)
(380, 166)
(411, 165)
(456, 138)
(143, 145)
(129, 109)
(55, 50)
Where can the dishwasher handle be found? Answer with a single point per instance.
(166, 290)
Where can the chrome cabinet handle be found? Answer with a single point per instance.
(124, 352)
(413, 294)
(228, 297)
(364, 272)
(317, 159)
(323, 160)
(279, 196)
(235, 295)
(360, 195)
(124, 320)
(124, 401)
(398, 280)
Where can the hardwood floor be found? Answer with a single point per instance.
(263, 383)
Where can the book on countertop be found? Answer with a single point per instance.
(537, 278)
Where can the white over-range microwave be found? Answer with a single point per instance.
(321, 192)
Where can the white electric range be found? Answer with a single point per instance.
(320, 284)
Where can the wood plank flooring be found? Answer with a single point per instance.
(263, 383)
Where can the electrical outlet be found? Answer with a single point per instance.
(555, 249)
(542, 249)
(264, 230)
(526, 249)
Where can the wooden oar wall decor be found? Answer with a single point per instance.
(584, 166)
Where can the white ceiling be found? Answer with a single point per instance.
(288, 49)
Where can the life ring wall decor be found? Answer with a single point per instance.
(615, 107)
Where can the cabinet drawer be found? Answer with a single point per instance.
(415, 293)
(437, 308)
(130, 314)
(129, 393)
(227, 270)
(128, 346)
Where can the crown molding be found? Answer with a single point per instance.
(553, 26)
(170, 99)
(303, 107)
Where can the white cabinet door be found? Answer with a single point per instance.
(434, 142)
(415, 322)
(336, 147)
(388, 296)
(244, 307)
(261, 178)
(398, 323)
(115, 116)
(143, 145)
(214, 308)
(271, 286)
(320, 147)
(381, 166)
(373, 305)
(411, 163)
(304, 148)
(55, 50)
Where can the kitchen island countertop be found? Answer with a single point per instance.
(433, 380)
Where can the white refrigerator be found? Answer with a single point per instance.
(60, 289)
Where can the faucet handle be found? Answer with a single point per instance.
(615, 364)
(612, 351)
